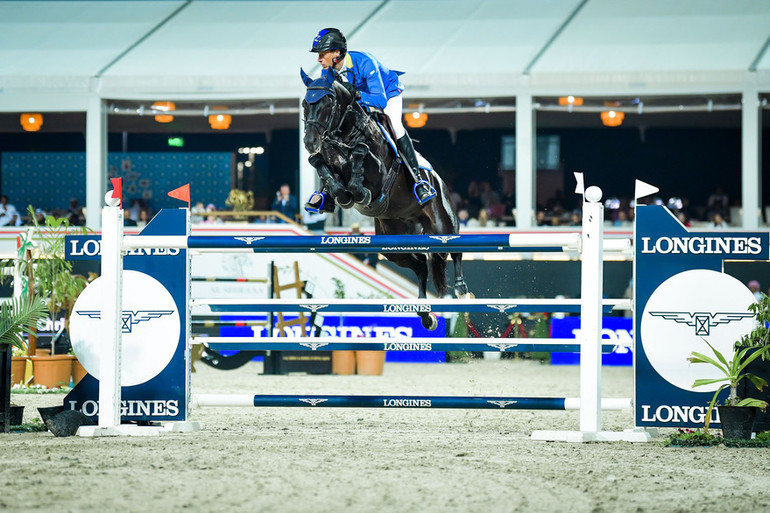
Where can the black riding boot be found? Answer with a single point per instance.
(423, 190)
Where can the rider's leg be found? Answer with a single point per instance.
(423, 190)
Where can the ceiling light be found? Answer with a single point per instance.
(164, 107)
(31, 122)
(612, 118)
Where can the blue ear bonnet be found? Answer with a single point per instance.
(318, 89)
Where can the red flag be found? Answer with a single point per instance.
(117, 190)
(182, 193)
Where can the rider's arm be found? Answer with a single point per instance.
(374, 93)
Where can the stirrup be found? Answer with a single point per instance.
(431, 192)
(315, 208)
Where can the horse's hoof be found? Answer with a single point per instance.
(343, 203)
(429, 321)
(366, 198)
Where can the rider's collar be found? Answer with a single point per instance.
(348, 61)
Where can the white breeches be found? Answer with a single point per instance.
(393, 110)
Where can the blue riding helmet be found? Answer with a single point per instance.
(329, 39)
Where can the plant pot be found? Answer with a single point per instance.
(78, 371)
(49, 412)
(18, 366)
(759, 368)
(52, 371)
(17, 415)
(343, 362)
(736, 421)
(370, 363)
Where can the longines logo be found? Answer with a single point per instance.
(248, 240)
(129, 318)
(502, 404)
(444, 238)
(501, 308)
(702, 245)
(312, 307)
(503, 347)
(346, 240)
(684, 312)
(151, 328)
(313, 402)
(702, 321)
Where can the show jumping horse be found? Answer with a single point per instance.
(360, 168)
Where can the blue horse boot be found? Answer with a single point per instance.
(423, 190)
(319, 202)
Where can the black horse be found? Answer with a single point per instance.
(360, 168)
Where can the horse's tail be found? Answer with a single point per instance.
(438, 273)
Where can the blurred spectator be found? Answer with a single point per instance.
(621, 219)
(143, 217)
(754, 287)
(285, 202)
(197, 212)
(575, 219)
(718, 203)
(540, 218)
(75, 213)
(462, 217)
(314, 222)
(683, 218)
(717, 222)
(9, 216)
(473, 203)
(212, 219)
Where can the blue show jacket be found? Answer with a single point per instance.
(376, 83)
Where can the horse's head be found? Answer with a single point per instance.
(324, 102)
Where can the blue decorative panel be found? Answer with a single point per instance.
(49, 179)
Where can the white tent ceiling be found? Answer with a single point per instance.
(54, 55)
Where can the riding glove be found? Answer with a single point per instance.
(355, 93)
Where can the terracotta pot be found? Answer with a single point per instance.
(343, 362)
(78, 371)
(370, 363)
(18, 366)
(52, 371)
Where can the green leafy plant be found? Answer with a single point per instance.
(42, 262)
(698, 438)
(19, 316)
(760, 335)
(733, 371)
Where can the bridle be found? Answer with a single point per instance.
(327, 130)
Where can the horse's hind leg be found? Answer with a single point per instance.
(461, 288)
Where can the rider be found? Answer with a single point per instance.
(373, 85)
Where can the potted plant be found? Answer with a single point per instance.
(42, 257)
(756, 340)
(736, 415)
(17, 316)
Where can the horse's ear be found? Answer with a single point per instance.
(306, 79)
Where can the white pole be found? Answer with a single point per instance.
(591, 289)
(112, 307)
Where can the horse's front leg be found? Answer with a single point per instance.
(331, 184)
(461, 288)
(361, 195)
